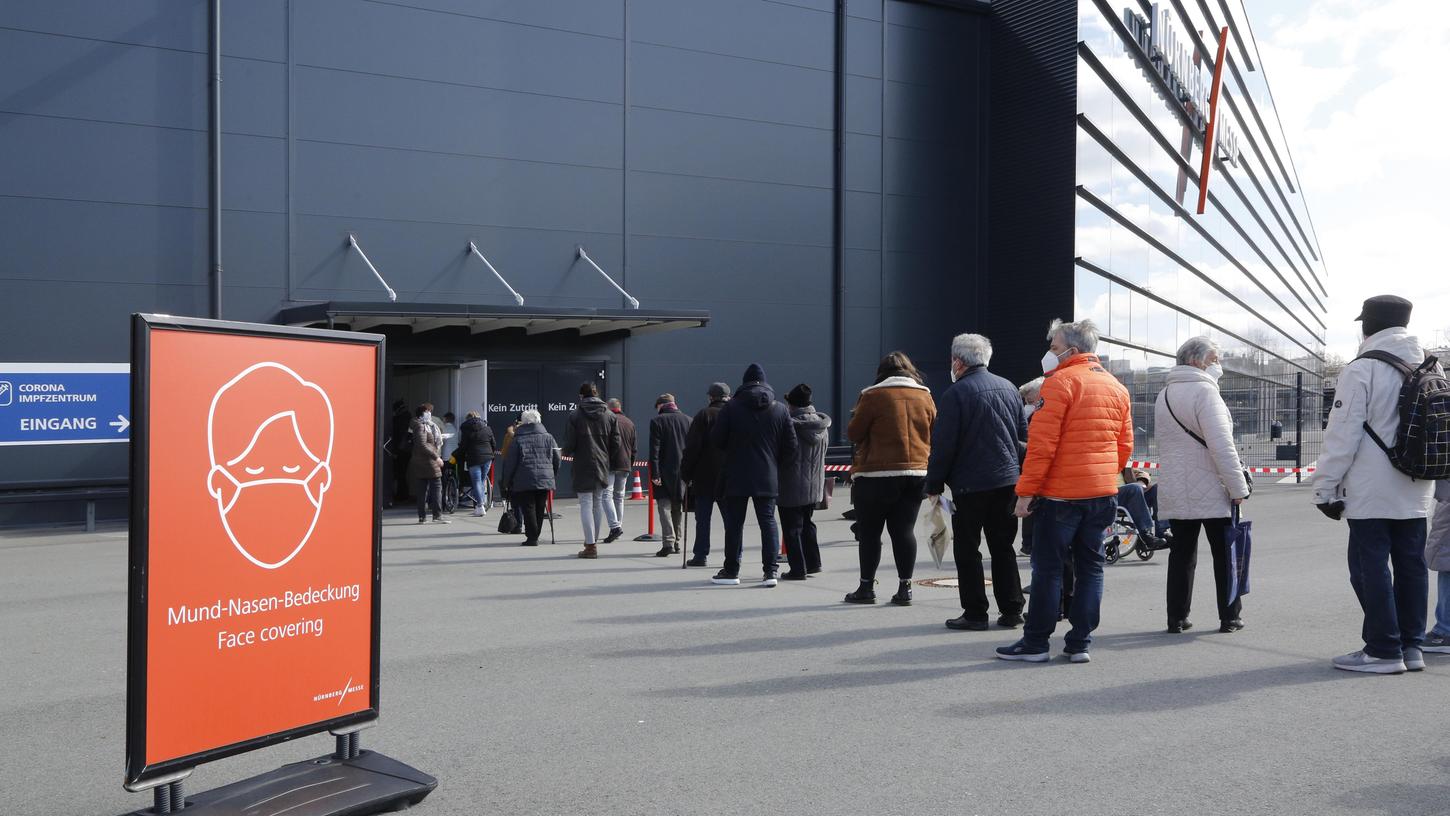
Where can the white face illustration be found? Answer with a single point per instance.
(269, 494)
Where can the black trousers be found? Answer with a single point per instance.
(430, 497)
(532, 504)
(802, 548)
(990, 512)
(892, 503)
(1183, 562)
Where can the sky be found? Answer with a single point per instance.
(1359, 89)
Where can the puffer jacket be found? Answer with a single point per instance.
(755, 433)
(1437, 544)
(703, 462)
(803, 481)
(628, 443)
(591, 436)
(426, 461)
(477, 445)
(979, 436)
(1352, 467)
(891, 428)
(1196, 482)
(532, 460)
(1081, 438)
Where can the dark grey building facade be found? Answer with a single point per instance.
(805, 184)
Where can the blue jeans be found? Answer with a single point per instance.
(1394, 607)
(1134, 498)
(732, 508)
(1067, 531)
(704, 512)
(478, 474)
(1442, 606)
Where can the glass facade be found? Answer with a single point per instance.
(1151, 271)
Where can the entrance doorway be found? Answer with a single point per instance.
(550, 388)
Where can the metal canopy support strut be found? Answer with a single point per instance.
(352, 242)
(633, 303)
(473, 250)
(214, 169)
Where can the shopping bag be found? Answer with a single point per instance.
(1239, 540)
(508, 524)
(935, 517)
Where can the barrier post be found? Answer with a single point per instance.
(650, 508)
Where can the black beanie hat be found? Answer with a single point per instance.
(1384, 312)
(800, 396)
(754, 374)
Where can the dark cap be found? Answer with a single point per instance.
(800, 396)
(1386, 311)
(664, 399)
(718, 391)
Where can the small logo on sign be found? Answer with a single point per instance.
(7, 393)
(1339, 403)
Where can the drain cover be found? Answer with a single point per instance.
(948, 582)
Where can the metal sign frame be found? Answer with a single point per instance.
(138, 774)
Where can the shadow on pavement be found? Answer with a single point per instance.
(1396, 800)
(706, 615)
(806, 682)
(767, 644)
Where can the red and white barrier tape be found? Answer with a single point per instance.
(636, 464)
(1272, 470)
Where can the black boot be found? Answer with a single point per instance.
(903, 594)
(864, 594)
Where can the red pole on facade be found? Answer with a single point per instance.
(1208, 146)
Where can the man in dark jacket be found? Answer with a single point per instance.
(528, 472)
(478, 449)
(623, 464)
(667, 433)
(756, 435)
(402, 450)
(591, 437)
(803, 484)
(976, 447)
(701, 468)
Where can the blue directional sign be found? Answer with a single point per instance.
(64, 403)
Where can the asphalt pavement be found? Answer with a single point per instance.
(532, 682)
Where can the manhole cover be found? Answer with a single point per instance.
(950, 583)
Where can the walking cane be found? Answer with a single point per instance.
(685, 535)
(550, 513)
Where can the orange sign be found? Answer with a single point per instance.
(254, 538)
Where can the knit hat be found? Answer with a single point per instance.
(800, 396)
(753, 374)
(718, 391)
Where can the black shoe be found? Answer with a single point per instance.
(1010, 621)
(1231, 625)
(965, 624)
(695, 562)
(813, 571)
(529, 543)
(665, 552)
(902, 596)
(864, 595)
(676, 549)
(1179, 626)
(614, 535)
(792, 576)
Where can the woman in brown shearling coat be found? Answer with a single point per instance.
(891, 429)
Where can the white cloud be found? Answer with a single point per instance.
(1356, 84)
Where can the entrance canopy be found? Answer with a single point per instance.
(480, 319)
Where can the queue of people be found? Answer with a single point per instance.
(1049, 457)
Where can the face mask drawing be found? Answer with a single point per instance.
(270, 438)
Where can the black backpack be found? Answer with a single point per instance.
(1421, 447)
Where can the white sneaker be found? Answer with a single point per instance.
(1078, 657)
(1414, 659)
(1361, 662)
(441, 520)
(769, 580)
(478, 511)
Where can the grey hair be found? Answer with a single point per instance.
(1195, 350)
(615, 404)
(972, 349)
(1032, 389)
(530, 417)
(1081, 335)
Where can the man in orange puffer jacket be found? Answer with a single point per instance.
(1079, 441)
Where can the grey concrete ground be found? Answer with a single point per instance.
(532, 682)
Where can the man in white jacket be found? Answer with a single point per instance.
(1386, 509)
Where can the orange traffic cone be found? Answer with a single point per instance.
(636, 493)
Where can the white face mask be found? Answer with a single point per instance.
(952, 372)
(1215, 371)
(1050, 361)
(269, 517)
(427, 416)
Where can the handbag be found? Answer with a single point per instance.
(828, 489)
(1239, 540)
(508, 523)
(1248, 476)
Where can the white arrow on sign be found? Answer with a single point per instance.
(120, 423)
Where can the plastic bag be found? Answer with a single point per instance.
(934, 518)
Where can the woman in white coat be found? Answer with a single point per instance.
(1201, 478)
